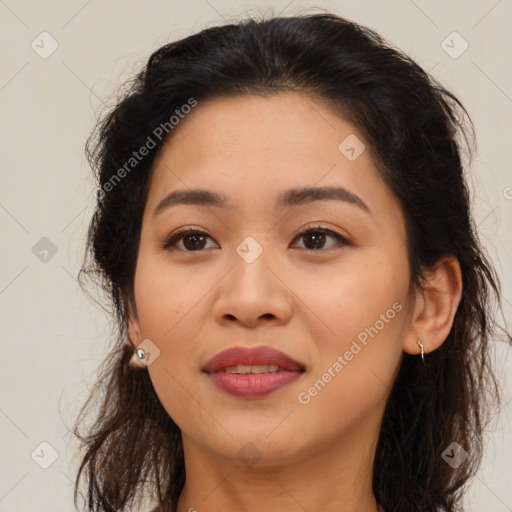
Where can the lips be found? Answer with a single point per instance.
(252, 373)
(255, 356)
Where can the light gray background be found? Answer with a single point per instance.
(53, 335)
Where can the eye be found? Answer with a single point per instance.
(316, 236)
(190, 239)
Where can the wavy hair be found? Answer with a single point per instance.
(418, 133)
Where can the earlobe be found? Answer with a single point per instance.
(435, 306)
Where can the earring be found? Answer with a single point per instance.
(140, 353)
(422, 351)
(138, 359)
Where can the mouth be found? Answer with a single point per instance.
(244, 369)
(252, 372)
(246, 360)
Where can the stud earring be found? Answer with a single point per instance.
(140, 353)
(422, 351)
(138, 359)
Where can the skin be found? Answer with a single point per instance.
(310, 305)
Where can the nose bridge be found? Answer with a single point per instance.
(251, 264)
(251, 289)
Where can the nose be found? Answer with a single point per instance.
(252, 294)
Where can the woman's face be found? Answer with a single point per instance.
(334, 300)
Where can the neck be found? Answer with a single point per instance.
(329, 476)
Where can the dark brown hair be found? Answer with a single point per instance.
(418, 133)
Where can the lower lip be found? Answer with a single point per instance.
(252, 385)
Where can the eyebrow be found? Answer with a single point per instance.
(292, 197)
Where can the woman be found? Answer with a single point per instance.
(284, 228)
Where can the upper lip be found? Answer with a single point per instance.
(251, 356)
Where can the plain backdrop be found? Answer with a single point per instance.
(53, 336)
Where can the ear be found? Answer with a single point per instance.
(133, 325)
(435, 306)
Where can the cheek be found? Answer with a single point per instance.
(366, 290)
(163, 298)
(363, 306)
(166, 304)
(358, 355)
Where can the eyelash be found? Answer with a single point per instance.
(180, 234)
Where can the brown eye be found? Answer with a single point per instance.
(315, 238)
(190, 239)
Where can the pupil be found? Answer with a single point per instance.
(194, 238)
(318, 240)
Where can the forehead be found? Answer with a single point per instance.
(251, 148)
(283, 127)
